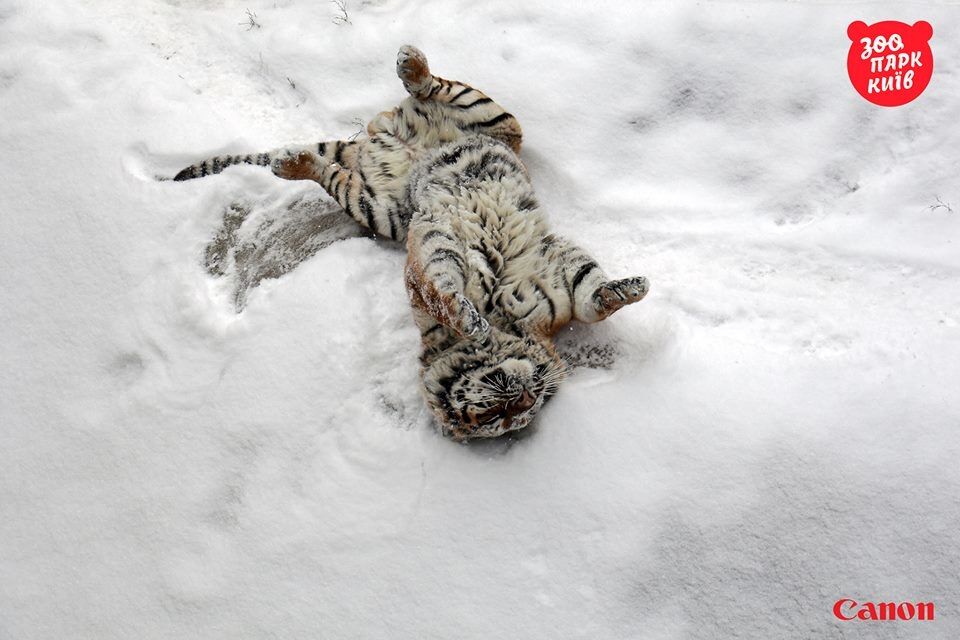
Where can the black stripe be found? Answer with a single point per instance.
(331, 185)
(431, 330)
(501, 155)
(489, 166)
(553, 309)
(363, 181)
(547, 242)
(471, 171)
(393, 226)
(384, 168)
(475, 103)
(464, 91)
(433, 233)
(581, 274)
(513, 329)
(443, 254)
(488, 289)
(446, 383)
(467, 367)
(453, 156)
(263, 159)
(338, 155)
(492, 121)
(203, 168)
(526, 203)
(321, 148)
(368, 213)
(493, 261)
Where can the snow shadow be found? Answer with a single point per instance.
(253, 244)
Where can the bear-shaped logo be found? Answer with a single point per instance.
(890, 62)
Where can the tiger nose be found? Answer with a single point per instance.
(523, 402)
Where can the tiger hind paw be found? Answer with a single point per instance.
(304, 165)
(413, 70)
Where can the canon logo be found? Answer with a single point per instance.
(847, 609)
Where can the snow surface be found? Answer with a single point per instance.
(777, 428)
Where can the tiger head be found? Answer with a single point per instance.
(485, 389)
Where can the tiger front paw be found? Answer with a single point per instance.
(469, 322)
(304, 165)
(615, 294)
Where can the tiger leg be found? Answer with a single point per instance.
(341, 152)
(592, 296)
(435, 277)
(337, 169)
(471, 109)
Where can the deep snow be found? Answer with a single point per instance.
(778, 428)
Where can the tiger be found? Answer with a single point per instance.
(489, 284)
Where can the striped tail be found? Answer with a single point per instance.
(215, 165)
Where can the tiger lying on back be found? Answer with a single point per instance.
(488, 283)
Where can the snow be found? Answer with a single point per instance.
(192, 455)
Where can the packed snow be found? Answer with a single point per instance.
(211, 421)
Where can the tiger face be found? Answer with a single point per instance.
(483, 390)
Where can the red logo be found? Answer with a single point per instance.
(847, 609)
(890, 62)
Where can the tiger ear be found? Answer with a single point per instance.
(856, 30)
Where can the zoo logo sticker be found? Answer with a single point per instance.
(890, 62)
